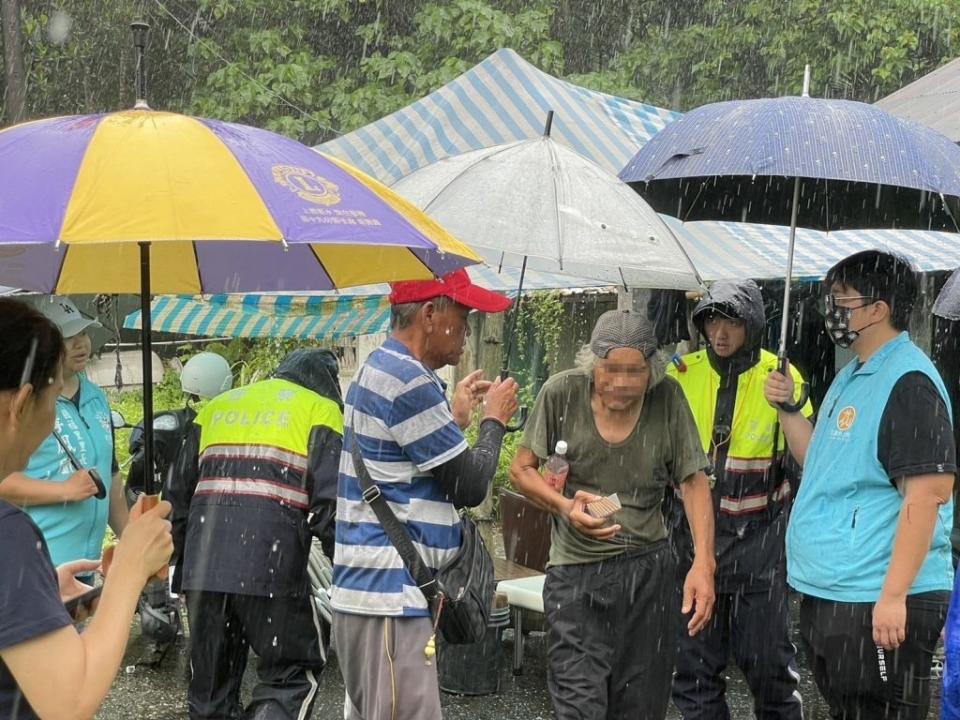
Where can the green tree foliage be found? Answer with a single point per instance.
(315, 68)
(690, 52)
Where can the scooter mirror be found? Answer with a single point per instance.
(117, 420)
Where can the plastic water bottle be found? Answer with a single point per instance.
(557, 467)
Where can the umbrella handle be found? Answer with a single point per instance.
(804, 391)
(522, 419)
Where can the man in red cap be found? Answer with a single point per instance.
(410, 438)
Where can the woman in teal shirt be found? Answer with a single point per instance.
(57, 496)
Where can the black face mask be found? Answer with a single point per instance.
(837, 323)
(836, 320)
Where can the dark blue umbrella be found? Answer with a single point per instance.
(859, 166)
(799, 161)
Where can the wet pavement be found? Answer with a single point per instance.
(146, 690)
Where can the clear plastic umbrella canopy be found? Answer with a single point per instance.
(947, 305)
(540, 201)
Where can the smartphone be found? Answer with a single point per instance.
(85, 600)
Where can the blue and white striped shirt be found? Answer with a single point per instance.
(404, 426)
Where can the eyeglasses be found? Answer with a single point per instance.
(831, 302)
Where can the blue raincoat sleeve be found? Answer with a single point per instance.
(951, 672)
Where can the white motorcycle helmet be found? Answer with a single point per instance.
(206, 375)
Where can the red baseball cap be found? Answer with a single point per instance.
(457, 286)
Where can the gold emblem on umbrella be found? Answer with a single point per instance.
(307, 184)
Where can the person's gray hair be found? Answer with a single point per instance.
(586, 360)
(402, 314)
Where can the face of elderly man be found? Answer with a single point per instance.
(621, 378)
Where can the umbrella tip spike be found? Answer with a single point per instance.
(549, 126)
(806, 80)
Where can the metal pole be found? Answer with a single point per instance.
(140, 29)
(505, 369)
(149, 485)
(782, 352)
(549, 125)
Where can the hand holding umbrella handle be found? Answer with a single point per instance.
(148, 502)
(804, 390)
(98, 481)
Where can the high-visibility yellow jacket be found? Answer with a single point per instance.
(268, 454)
(744, 483)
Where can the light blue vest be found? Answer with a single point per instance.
(843, 524)
(75, 530)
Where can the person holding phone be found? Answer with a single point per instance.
(47, 668)
(71, 487)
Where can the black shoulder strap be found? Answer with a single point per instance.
(391, 525)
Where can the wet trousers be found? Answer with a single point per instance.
(385, 671)
(288, 637)
(752, 626)
(611, 636)
(861, 681)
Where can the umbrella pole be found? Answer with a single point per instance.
(505, 368)
(147, 345)
(788, 280)
(785, 318)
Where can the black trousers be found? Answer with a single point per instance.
(858, 679)
(610, 636)
(288, 637)
(753, 627)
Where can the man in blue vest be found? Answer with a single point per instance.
(868, 544)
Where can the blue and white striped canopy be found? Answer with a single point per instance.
(505, 98)
(322, 315)
(502, 99)
(734, 251)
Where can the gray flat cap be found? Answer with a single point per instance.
(622, 329)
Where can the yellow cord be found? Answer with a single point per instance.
(393, 675)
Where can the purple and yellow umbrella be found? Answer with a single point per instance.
(141, 201)
(226, 208)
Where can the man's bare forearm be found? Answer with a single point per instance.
(24, 491)
(797, 430)
(698, 506)
(918, 519)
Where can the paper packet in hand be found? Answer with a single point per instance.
(604, 507)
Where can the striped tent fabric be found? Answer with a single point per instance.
(733, 251)
(329, 316)
(505, 98)
(263, 316)
(502, 99)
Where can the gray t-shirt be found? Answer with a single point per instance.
(663, 448)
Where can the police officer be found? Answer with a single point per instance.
(268, 458)
(204, 376)
(724, 386)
